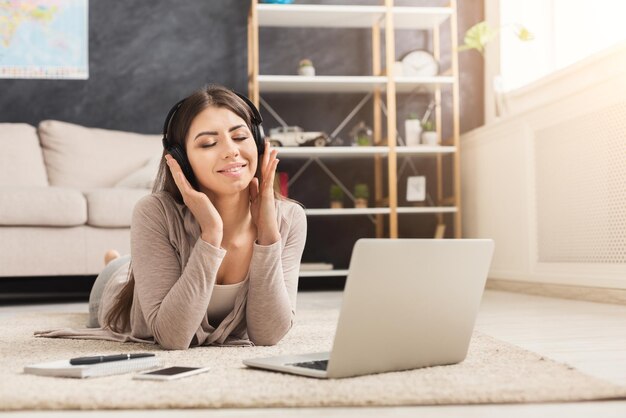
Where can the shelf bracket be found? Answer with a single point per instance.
(273, 112)
(299, 172)
(351, 115)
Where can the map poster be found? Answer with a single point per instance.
(44, 39)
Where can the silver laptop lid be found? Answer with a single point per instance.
(409, 303)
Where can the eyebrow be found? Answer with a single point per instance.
(215, 132)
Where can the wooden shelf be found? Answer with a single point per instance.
(419, 17)
(427, 209)
(345, 84)
(347, 152)
(337, 16)
(425, 149)
(323, 273)
(379, 211)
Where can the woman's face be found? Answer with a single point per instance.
(221, 151)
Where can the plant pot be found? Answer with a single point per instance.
(412, 131)
(307, 70)
(336, 204)
(360, 203)
(429, 138)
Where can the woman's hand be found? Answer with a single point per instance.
(262, 199)
(199, 204)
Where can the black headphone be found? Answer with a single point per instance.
(179, 154)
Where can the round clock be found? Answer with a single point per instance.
(419, 63)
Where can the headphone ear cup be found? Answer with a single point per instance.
(256, 127)
(259, 137)
(183, 162)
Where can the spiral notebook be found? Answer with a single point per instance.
(63, 368)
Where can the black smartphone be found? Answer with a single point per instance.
(170, 373)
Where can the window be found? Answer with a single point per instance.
(565, 31)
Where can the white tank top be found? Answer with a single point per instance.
(222, 302)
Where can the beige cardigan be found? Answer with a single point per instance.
(175, 271)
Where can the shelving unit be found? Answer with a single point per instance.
(385, 18)
(345, 84)
(342, 152)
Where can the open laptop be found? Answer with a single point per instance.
(407, 303)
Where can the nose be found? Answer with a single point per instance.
(231, 150)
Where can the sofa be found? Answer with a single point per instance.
(67, 193)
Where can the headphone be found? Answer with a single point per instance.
(180, 155)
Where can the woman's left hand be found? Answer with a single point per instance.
(262, 199)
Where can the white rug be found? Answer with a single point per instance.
(494, 372)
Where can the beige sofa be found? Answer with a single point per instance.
(67, 194)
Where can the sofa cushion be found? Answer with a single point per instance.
(144, 177)
(42, 206)
(76, 156)
(21, 159)
(112, 208)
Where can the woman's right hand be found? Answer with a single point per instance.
(199, 204)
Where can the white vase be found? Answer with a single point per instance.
(412, 131)
(307, 70)
(429, 138)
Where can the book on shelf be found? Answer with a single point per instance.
(63, 368)
(315, 266)
(281, 180)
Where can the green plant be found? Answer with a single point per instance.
(363, 140)
(428, 126)
(361, 191)
(412, 115)
(479, 35)
(305, 63)
(336, 193)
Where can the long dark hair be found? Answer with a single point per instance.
(212, 95)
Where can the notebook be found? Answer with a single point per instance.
(407, 303)
(63, 368)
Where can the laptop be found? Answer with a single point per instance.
(407, 303)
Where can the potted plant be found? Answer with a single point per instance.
(412, 130)
(477, 37)
(361, 195)
(305, 67)
(429, 136)
(336, 197)
(362, 135)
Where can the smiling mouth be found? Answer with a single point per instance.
(233, 169)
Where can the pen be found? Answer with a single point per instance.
(101, 359)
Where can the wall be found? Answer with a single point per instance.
(548, 181)
(144, 55)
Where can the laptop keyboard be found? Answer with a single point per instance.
(317, 365)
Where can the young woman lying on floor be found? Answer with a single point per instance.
(215, 253)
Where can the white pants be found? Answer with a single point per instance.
(98, 287)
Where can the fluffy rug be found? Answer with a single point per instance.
(494, 372)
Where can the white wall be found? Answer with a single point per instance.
(548, 181)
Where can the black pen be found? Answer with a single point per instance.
(101, 359)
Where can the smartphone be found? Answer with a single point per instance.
(170, 373)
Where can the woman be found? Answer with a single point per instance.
(215, 254)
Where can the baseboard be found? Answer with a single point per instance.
(590, 294)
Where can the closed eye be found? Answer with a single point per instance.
(240, 138)
(208, 145)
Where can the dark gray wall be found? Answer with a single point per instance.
(144, 55)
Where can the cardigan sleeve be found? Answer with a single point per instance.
(173, 302)
(273, 286)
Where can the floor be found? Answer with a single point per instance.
(589, 336)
